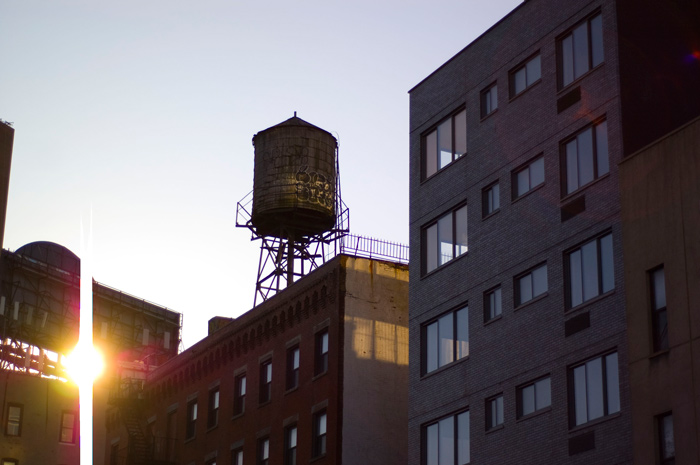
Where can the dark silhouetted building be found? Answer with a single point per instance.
(39, 320)
(520, 350)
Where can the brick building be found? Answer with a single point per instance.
(318, 372)
(518, 325)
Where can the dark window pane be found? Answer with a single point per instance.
(461, 243)
(543, 393)
(444, 227)
(431, 154)
(613, 387)
(431, 248)
(580, 36)
(601, 138)
(539, 281)
(460, 133)
(445, 143)
(432, 347)
(519, 80)
(534, 71)
(462, 344)
(537, 172)
(446, 339)
(528, 399)
(597, 40)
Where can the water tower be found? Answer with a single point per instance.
(297, 212)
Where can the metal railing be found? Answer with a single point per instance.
(368, 247)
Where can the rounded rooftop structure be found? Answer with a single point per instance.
(294, 184)
(52, 254)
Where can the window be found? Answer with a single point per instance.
(265, 381)
(490, 199)
(293, 367)
(446, 143)
(213, 413)
(10, 462)
(667, 447)
(320, 431)
(534, 397)
(525, 75)
(590, 270)
(321, 356)
(239, 394)
(263, 451)
(494, 412)
(585, 157)
(492, 304)
(290, 445)
(659, 318)
(191, 419)
(445, 239)
(67, 434)
(447, 441)
(489, 100)
(531, 285)
(13, 427)
(528, 177)
(595, 389)
(446, 339)
(237, 456)
(580, 50)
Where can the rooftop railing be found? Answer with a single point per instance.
(368, 247)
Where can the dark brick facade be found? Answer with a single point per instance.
(543, 337)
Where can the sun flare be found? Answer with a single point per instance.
(84, 364)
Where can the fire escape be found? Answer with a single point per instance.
(143, 447)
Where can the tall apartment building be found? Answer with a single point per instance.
(317, 373)
(519, 339)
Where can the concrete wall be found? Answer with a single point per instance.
(375, 362)
(660, 188)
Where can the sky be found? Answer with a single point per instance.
(137, 117)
